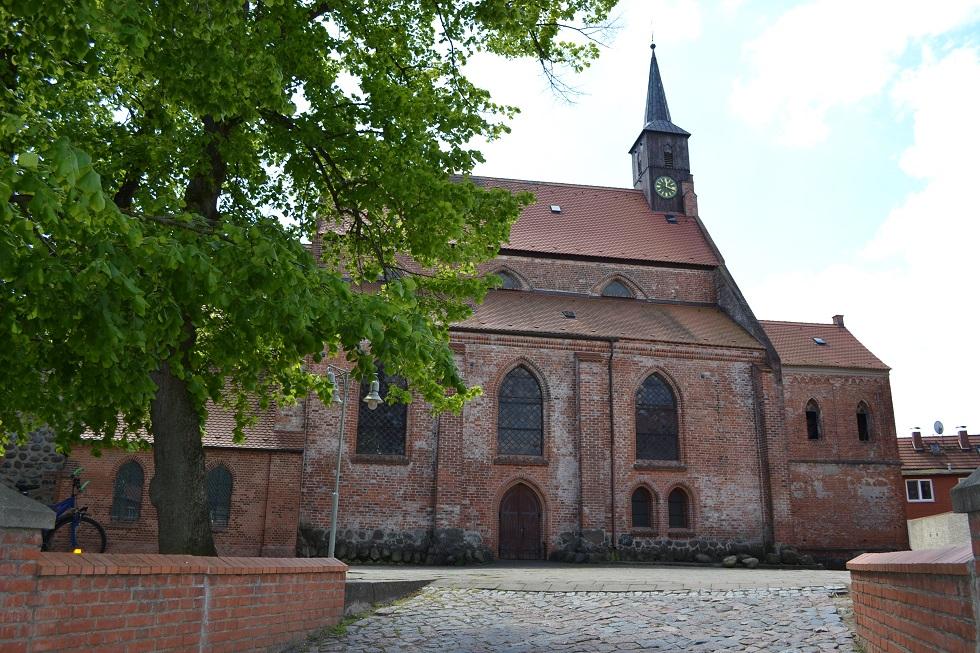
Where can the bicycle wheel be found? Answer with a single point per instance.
(89, 537)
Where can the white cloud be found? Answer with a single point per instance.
(915, 285)
(825, 54)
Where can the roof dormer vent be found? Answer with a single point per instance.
(671, 219)
(569, 314)
(819, 341)
(555, 208)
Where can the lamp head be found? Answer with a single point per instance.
(373, 398)
(333, 382)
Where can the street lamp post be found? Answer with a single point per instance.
(372, 399)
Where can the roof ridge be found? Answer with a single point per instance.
(557, 183)
(827, 324)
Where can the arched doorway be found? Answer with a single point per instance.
(520, 524)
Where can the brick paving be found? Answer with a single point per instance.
(799, 620)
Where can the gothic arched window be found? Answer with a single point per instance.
(219, 496)
(127, 493)
(508, 281)
(642, 504)
(381, 431)
(678, 509)
(617, 289)
(520, 414)
(656, 421)
(863, 422)
(812, 420)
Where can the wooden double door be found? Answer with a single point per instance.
(520, 525)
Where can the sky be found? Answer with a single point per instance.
(835, 156)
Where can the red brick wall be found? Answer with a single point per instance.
(264, 501)
(902, 603)
(131, 603)
(852, 489)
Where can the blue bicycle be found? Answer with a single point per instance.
(73, 529)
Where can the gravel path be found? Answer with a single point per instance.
(449, 620)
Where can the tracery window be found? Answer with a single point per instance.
(678, 509)
(127, 493)
(656, 421)
(642, 505)
(812, 420)
(219, 496)
(617, 289)
(863, 422)
(520, 414)
(509, 281)
(381, 431)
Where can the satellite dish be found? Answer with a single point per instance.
(938, 426)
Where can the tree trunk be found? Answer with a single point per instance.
(177, 489)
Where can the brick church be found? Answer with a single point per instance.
(634, 408)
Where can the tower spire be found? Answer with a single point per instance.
(658, 115)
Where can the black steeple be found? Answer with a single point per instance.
(660, 155)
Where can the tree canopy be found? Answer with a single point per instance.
(163, 164)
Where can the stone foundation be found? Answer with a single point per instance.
(450, 546)
(34, 463)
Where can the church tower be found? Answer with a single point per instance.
(660, 159)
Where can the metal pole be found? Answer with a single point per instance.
(340, 452)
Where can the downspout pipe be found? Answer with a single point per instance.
(612, 446)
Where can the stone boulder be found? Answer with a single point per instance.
(729, 561)
(751, 563)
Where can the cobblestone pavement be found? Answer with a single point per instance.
(474, 620)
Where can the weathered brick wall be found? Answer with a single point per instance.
(34, 463)
(123, 602)
(853, 489)
(589, 277)
(264, 500)
(390, 499)
(915, 601)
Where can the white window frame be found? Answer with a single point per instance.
(920, 482)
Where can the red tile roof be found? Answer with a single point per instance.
(795, 345)
(536, 312)
(950, 455)
(601, 222)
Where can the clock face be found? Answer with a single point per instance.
(665, 187)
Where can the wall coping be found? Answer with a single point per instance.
(949, 560)
(92, 564)
(966, 494)
(18, 511)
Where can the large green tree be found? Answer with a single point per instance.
(164, 162)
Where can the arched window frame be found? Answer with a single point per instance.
(642, 450)
(687, 511)
(811, 416)
(624, 279)
(510, 279)
(650, 512)
(127, 492)
(616, 288)
(502, 448)
(865, 425)
(381, 432)
(219, 505)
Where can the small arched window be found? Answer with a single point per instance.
(520, 414)
(508, 281)
(127, 493)
(656, 421)
(381, 431)
(219, 496)
(812, 420)
(642, 508)
(863, 422)
(678, 509)
(617, 289)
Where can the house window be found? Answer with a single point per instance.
(863, 422)
(508, 281)
(617, 289)
(656, 421)
(381, 432)
(520, 414)
(919, 490)
(127, 493)
(812, 420)
(642, 508)
(219, 496)
(677, 509)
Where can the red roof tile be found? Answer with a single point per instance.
(523, 311)
(949, 456)
(795, 345)
(601, 222)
